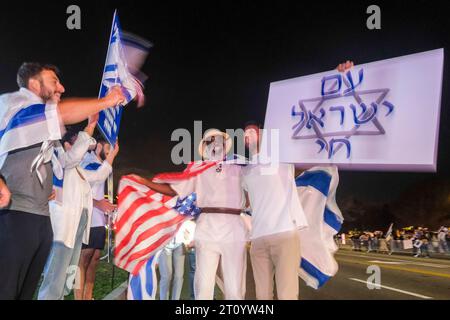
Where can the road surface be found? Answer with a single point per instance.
(402, 277)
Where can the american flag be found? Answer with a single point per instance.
(147, 220)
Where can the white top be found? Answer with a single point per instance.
(184, 235)
(76, 193)
(217, 189)
(98, 189)
(274, 201)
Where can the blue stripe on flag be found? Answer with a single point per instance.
(26, 116)
(133, 43)
(92, 166)
(332, 219)
(57, 182)
(314, 272)
(317, 179)
(136, 289)
(149, 276)
(111, 67)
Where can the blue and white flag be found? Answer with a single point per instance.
(126, 55)
(25, 121)
(317, 192)
(389, 232)
(144, 285)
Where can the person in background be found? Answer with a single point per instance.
(91, 252)
(71, 214)
(171, 267)
(190, 249)
(442, 238)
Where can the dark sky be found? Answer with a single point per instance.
(213, 61)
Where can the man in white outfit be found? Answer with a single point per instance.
(71, 214)
(220, 234)
(277, 216)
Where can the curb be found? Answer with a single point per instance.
(119, 293)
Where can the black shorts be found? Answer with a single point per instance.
(97, 238)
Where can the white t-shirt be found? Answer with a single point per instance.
(217, 189)
(91, 162)
(273, 198)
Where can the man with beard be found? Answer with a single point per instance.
(221, 234)
(30, 123)
(90, 253)
(277, 217)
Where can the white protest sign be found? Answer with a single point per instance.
(382, 115)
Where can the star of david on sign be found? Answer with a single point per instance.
(313, 118)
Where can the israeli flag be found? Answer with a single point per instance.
(126, 55)
(144, 285)
(25, 121)
(317, 192)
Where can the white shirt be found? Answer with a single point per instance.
(274, 201)
(76, 193)
(98, 191)
(217, 189)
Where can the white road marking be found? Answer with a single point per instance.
(424, 264)
(393, 289)
(387, 262)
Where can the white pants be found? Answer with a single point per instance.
(233, 263)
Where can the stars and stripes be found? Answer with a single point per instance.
(147, 220)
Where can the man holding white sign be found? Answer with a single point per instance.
(277, 217)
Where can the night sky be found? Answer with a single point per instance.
(213, 61)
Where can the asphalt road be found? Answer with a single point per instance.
(402, 277)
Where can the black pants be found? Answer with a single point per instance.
(25, 243)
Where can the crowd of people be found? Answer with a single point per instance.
(421, 240)
(52, 217)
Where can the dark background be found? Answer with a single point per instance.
(213, 61)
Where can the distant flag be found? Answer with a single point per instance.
(389, 232)
(317, 192)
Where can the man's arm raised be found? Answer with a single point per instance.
(74, 110)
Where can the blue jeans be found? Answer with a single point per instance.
(171, 265)
(62, 264)
(191, 262)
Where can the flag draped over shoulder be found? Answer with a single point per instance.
(25, 121)
(147, 220)
(317, 192)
